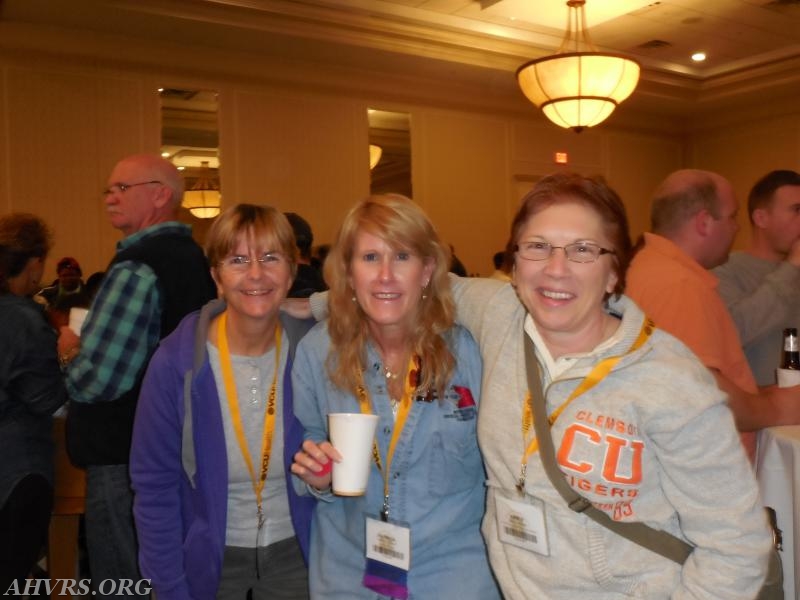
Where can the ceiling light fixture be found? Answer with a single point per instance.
(578, 87)
(699, 56)
(204, 199)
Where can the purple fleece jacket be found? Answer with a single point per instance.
(179, 466)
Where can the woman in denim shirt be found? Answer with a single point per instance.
(390, 348)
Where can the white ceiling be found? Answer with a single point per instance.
(734, 33)
(753, 46)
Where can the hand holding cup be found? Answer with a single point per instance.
(313, 463)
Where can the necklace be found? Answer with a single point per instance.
(392, 383)
(387, 372)
(391, 378)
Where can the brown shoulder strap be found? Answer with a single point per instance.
(655, 540)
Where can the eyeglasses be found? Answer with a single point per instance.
(579, 252)
(239, 263)
(124, 187)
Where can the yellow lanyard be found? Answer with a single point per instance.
(236, 416)
(595, 376)
(402, 414)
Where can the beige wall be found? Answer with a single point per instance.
(460, 178)
(62, 131)
(745, 151)
(633, 162)
(66, 117)
(298, 152)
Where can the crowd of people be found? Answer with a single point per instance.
(198, 392)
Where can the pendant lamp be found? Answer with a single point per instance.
(203, 200)
(578, 87)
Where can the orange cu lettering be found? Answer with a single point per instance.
(613, 454)
(567, 443)
(615, 446)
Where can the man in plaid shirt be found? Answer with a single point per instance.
(157, 276)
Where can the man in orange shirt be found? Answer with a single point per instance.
(693, 222)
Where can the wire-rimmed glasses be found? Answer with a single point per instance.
(579, 252)
(239, 263)
(124, 187)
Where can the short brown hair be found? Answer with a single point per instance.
(594, 192)
(253, 221)
(22, 236)
(764, 189)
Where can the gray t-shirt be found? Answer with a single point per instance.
(763, 298)
(253, 376)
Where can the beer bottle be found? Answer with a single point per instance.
(791, 352)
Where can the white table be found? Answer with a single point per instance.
(778, 471)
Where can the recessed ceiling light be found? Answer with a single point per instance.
(181, 168)
(699, 56)
(165, 154)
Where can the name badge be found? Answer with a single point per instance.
(521, 523)
(389, 543)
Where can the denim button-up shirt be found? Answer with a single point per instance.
(436, 486)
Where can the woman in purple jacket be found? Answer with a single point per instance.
(215, 512)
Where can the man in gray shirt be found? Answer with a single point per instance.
(761, 285)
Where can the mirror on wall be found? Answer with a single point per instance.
(390, 151)
(190, 139)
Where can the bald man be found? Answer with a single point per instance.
(158, 275)
(693, 223)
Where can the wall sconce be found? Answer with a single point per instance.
(375, 153)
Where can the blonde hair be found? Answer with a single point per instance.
(403, 225)
(255, 222)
